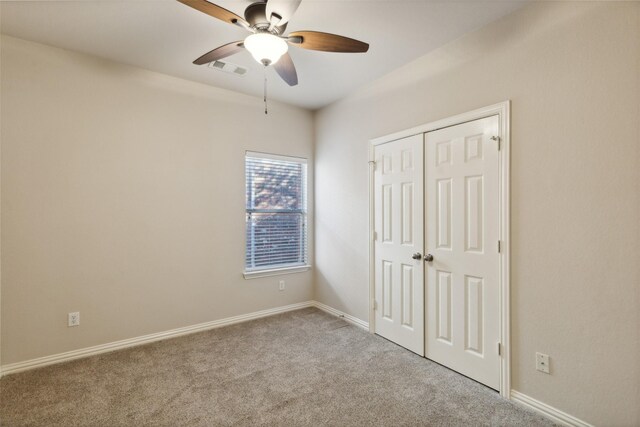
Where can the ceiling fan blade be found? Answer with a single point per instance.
(282, 8)
(285, 69)
(220, 52)
(216, 11)
(326, 42)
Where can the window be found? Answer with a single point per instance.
(276, 213)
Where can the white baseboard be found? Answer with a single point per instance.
(550, 412)
(40, 362)
(145, 339)
(345, 316)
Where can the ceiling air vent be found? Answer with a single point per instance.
(228, 67)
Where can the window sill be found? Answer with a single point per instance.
(275, 272)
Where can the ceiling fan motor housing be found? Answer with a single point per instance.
(256, 15)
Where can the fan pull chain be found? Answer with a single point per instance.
(265, 90)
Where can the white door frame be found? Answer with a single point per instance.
(502, 110)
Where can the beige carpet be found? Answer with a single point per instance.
(300, 368)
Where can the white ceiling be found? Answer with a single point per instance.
(166, 36)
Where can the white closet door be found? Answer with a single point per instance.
(399, 219)
(462, 224)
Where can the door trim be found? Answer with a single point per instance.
(502, 110)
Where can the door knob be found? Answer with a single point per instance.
(428, 257)
(417, 255)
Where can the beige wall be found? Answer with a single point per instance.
(123, 198)
(572, 72)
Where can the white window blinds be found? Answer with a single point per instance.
(276, 211)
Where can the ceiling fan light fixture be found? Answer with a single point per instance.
(266, 48)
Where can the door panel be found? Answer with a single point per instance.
(399, 222)
(462, 286)
(443, 306)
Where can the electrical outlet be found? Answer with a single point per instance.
(542, 362)
(74, 318)
(281, 285)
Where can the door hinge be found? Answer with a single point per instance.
(374, 236)
(499, 349)
(498, 140)
(373, 163)
(375, 304)
(499, 247)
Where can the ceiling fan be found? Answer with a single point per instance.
(267, 21)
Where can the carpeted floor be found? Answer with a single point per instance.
(295, 369)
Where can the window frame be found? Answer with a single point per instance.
(283, 269)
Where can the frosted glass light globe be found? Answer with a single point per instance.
(266, 48)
